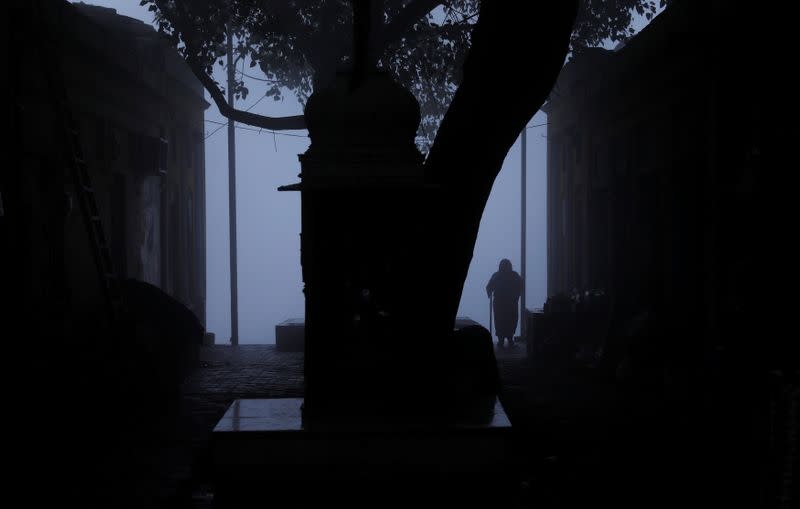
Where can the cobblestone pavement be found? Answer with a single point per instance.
(253, 370)
(583, 441)
(225, 374)
(260, 371)
(247, 371)
(535, 404)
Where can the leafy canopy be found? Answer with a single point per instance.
(297, 44)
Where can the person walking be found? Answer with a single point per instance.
(505, 287)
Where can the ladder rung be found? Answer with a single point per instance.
(81, 178)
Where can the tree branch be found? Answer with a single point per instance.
(245, 117)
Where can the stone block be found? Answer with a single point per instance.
(290, 335)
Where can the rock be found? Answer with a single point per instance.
(164, 339)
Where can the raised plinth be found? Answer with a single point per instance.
(290, 335)
(262, 449)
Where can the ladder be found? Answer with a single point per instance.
(79, 172)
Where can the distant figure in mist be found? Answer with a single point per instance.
(505, 286)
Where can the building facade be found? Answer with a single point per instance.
(139, 113)
(667, 166)
(649, 184)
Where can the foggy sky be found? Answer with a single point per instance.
(268, 221)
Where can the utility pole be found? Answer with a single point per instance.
(232, 198)
(523, 222)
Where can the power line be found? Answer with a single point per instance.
(215, 131)
(256, 78)
(248, 109)
(258, 130)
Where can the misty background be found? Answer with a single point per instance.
(268, 221)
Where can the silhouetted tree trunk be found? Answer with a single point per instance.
(508, 75)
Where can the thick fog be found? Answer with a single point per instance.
(268, 227)
(268, 221)
(268, 224)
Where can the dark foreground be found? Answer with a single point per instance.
(582, 440)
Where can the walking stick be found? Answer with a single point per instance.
(490, 315)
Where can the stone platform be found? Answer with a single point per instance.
(260, 446)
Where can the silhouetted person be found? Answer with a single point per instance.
(506, 286)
